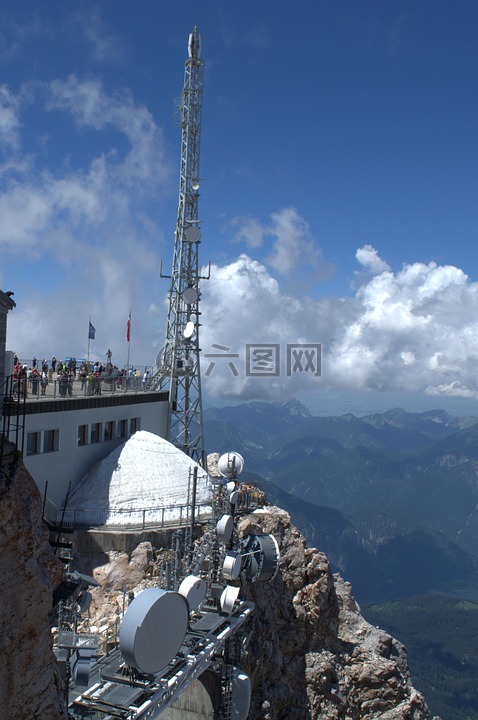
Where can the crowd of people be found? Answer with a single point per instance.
(34, 377)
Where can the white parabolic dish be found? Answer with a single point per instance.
(194, 590)
(153, 629)
(230, 464)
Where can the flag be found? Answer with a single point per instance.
(91, 332)
(128, 329)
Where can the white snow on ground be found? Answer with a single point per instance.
(136, 481)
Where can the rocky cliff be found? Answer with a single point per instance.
(29, 687)
(311, 654)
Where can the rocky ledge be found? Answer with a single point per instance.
(311, 653)
(30, 686)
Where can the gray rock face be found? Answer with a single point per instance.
(29, 687)
(311, 654)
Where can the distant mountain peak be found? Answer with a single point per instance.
(295, 408)
(348, 417)
(437, 416)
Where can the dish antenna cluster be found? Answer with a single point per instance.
(170, 636)
(155, 628)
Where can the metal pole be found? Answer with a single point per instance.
(193, 501)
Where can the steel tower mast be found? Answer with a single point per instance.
(179, 370)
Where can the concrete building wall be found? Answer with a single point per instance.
(6, 304)
(3, 340)
(194, 704)
(72, 459)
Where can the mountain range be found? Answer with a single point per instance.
(391, 498)
(440, 634)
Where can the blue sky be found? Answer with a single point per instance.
(338, 199)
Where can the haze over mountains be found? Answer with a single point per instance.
(391, 498)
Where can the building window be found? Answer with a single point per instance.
(82, 435)
(95, 433)
(121, 427)
(109, 430)
(134, 425)
(33, 443)
(50, 440)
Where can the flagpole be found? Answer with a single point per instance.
(89, 325)
(128, 338)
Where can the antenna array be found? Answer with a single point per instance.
(179, 365)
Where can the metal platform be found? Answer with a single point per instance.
(121, 693)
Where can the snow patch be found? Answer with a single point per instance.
(146, 472)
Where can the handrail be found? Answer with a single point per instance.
(161, 516)
(65, 388)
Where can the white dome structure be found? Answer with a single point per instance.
(137, 481)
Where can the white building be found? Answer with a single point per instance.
(62, 437)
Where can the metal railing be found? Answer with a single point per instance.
(12, 415)
(163, 516)
(79, 387)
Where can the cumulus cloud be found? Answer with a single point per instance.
(88, 226)
(289, 236)
(250, 231)
(9, 120)
(104, 45)
(369, 258)
(35, 201)
(292, 238)
(93, 108)
(411, 330)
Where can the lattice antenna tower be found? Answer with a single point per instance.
(180, 370)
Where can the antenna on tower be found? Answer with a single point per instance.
(178, 368)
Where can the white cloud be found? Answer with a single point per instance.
(36, 203)
(93, 108)
(105, 46)
(370, 259)
(291, 240)
(413, 330)
(88, 229)
(251, 231)
(9, 120)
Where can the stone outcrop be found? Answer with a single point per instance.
(29, 681)
(311, 653)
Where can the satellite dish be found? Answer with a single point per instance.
(224, 528)
(190, 295)
(230, 464)
(193, 588)
(261, 557)
(81, 662)
(84, 601)
(233, 497)
(153, 629)
(188, 330)
(81, 672)
(241, 690)
(228, 598)
(231, 566)
(192, 234)
(231, 486)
